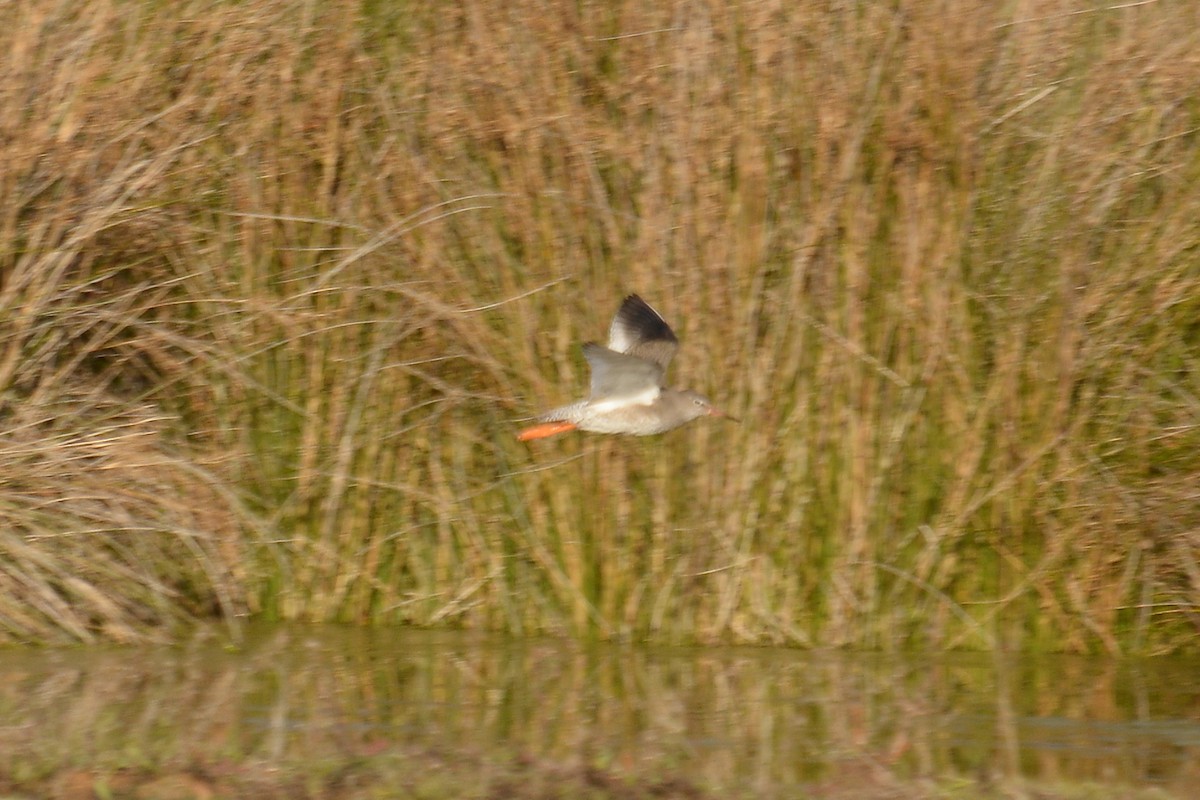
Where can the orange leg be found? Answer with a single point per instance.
(544, 430)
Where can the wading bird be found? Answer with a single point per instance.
(627, 392)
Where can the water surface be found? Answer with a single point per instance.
(769, 719)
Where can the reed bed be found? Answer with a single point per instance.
(298, 269)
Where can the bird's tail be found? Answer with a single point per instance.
(558, 420)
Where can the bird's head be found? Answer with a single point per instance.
(700, 406)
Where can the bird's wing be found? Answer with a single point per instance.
(640, 331)
(619, 379)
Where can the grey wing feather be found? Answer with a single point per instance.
(640, 331)
(617, 376)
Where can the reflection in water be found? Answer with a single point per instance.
(773, 718)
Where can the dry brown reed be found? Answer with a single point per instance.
(942, 258)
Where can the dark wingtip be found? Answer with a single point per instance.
(644, 319)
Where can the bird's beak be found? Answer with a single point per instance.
(716, 412)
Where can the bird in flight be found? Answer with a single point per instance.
(628, 394)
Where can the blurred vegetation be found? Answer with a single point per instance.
(341, 712)
(278, 279)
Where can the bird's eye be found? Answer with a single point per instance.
(697, 401)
